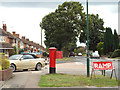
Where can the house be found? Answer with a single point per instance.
(5, 46)
(8, 41)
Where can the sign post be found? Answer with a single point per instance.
(52, 57)
(103, 66)
(88, 67)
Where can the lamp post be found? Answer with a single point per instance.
(41, 36)
(88, 71)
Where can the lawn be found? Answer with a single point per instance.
(64, 80)
(65, 59)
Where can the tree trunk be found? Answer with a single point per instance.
(66, 51)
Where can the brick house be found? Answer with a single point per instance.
(8, 41)
(5, 46)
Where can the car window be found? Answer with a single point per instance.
(14, 57)
(27, 57)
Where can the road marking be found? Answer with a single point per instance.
(78, 63)
(36, 71)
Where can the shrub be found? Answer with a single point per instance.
(12, 51)
(100, 48)
(81, 50)
(45, 54)
(116, 53)
(4, 62)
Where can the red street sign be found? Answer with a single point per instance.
(102, 65)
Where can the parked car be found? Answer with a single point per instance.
(79, 54)
(72, 54)
(20, 62)
(95, 55)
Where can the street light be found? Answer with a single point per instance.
(88, 71)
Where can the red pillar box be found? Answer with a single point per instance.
(52, 57)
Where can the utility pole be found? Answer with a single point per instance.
(88, 70)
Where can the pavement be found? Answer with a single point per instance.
(30, 79)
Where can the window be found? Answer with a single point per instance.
(15, 57)
(5, 51)
(27, 57)
(1, 51)
(27, 45)
(2, 38)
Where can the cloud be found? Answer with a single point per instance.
(51, 5)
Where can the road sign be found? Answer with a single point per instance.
(102, 65)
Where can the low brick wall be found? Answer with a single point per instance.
(6, 74)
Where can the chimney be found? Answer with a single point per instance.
(27, 39)
(17, 35)
(13, 32)
(23, 37)
(31, 41)
(5, 27)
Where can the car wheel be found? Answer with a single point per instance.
(38, 67)
(13, 67)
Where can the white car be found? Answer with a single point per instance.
(20, 62)
(79, 54)
(95, 55)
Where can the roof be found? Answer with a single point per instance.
(25, 41)
(3, 33)
(5, 46)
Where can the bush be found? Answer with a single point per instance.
(12, 51)
(100, 48)
(45, 54)
(81, 50)
(116, 53)
(4, 62)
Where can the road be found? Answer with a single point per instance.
(30, 79)
(83, 60)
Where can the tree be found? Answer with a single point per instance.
(13, 51)
(116, 40)
(96, 33)
(63, 26)
(100, 47)
(108, 41)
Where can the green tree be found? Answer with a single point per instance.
(12, 51)
(96, 29)
(100, 46)
(64, 25)
(116, 40)
(108, 41)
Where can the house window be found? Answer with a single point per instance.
(5, 51)
(27, 45)
(2, 38)
(1, 51)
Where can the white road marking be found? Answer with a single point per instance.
(78, 63)
(36, 71)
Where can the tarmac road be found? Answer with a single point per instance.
(83, 59)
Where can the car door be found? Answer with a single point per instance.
(31, 62)
(25, 62)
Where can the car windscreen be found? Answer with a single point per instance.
(14, 57)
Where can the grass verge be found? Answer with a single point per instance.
(65, 59)
(64, 80)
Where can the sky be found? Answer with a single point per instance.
(25, 17)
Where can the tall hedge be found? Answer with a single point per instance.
(116, 40)
(108, 41)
